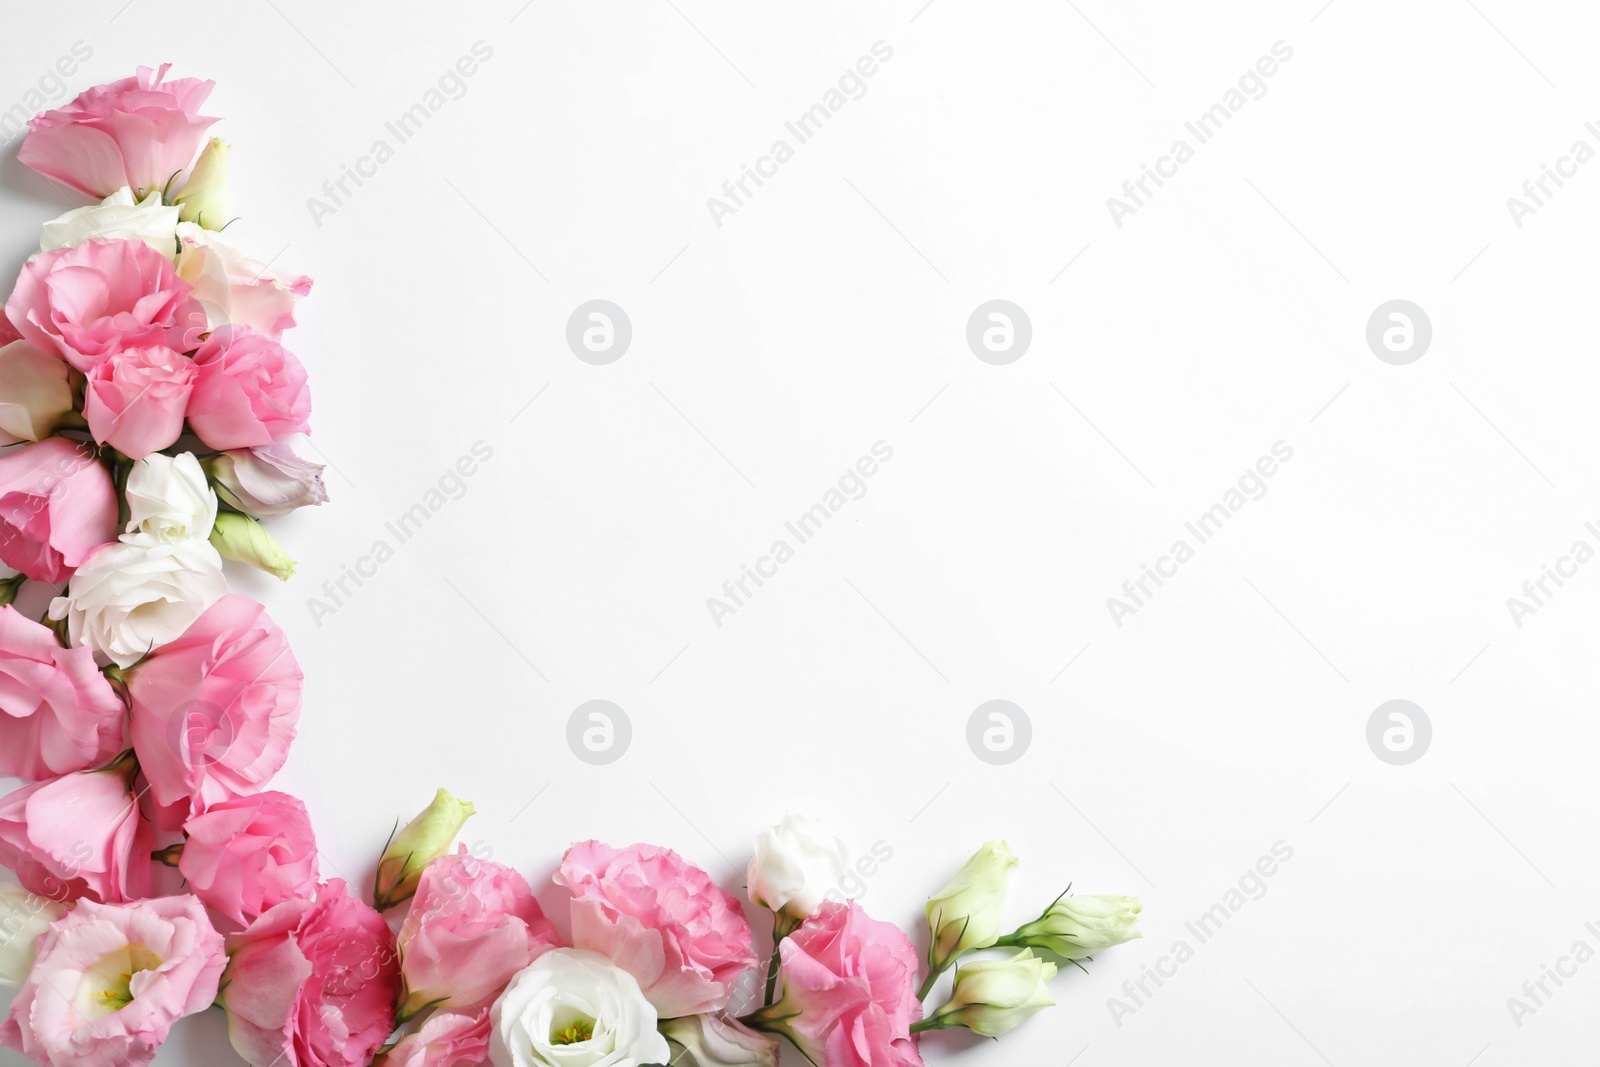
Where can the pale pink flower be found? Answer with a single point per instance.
(57, 505)
(473, 924)
(137, 131)
(214, 711)
(250, 390)
(661, 919)
(447, 1039)
(58, 714)
(234, 288)
(849, 990)
(80, 836)
(248, 854)
(135, 399)
(89, 302)
(110, 980)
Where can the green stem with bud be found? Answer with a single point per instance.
(9, 587)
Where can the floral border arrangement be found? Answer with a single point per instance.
(148, 407)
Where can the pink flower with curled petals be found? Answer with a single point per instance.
(137, 131)
(214, 711)
(80, 836)
(447, 1039)
(89, 302)
(135, 399)
(312, 983)
(109, 981)
(249, 392)
(246, 855)
(57, 505)
(473, 924)
(849, 986)
(58, 714)
(661, 919)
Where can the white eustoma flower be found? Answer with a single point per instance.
(23, 917)
(169, 499)
(571, 1008)
(135, 595)
(795, 865)
(117, 217)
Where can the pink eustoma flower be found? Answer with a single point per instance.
(90, 302)
(661, 919)
(110, 980)
(136, 131)
(214, 711)
(849, 990)
(58, 714)
(135, 399)
(250, 390)
(57, 505)
(472, 926)
(312, 983)
(80, 836)
(447, 1039)
(248, 854)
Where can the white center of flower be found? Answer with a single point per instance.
(107, 987)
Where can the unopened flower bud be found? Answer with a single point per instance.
(266, 482)
(204, 197)
(1075, 927)
(993, 996)
(966, 913)
(425, 839)
(241, 538)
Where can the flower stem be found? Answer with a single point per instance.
(781, 928)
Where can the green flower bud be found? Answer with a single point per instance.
(966, 913)
(239, 537)
(1075, 927)
(204, 197)
(991, 997)
(425, 838)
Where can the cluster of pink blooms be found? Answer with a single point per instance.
(148, 407)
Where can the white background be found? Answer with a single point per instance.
(829, 313)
